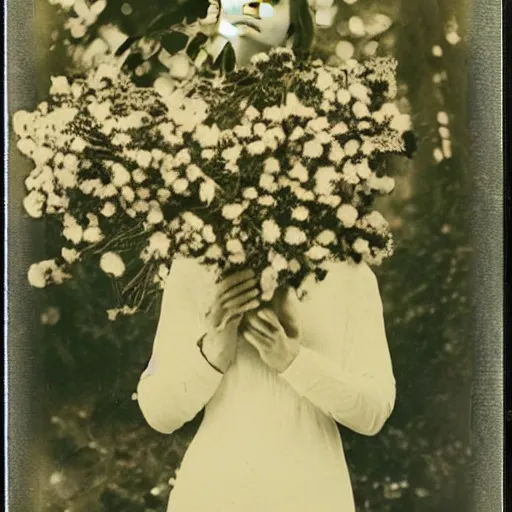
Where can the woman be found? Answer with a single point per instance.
(273, 379)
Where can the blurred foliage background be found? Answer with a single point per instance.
(99, 453)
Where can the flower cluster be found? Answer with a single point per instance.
(274, 166)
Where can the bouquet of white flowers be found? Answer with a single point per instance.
(274, 167)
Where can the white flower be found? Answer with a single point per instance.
(376, 220)
(299, 172)
(347, 214)
(100, 111)
(384, 185)
(343, 96)
(214, 252)
(294, 266)
(273, 113)
(295, 236)
(313, 149)
(232, 211)
(207, 154)
(73, 232)
(324, 80)
(317, 125)
(125, 310)
(268, 283)
(326, 237)
(78, 145)
(268, 183)
(193, 173)
(256, 148)
(60, 85)
(155, 216)
(34, 203)
(251, 113)
(44, 272)
(361, 246)
(294, 107)
(401, 123)
(143, 159)
(141, 206)
(120, 175)
(300, 213)
(271, 165)
(266, 200)
(108, 209)
(330, 200)
(363, 169)
(270, 231)
(111, 263)
(128, 194)
(121, 139)
(325, 177)
(232, 168)
(234, 246)
(273, 137)
(243, 131)
(317, 253)
(359, 92)
(207, 191)
(208, 234)
(158, 246)
(163, 194)
(182, 157)
(143, 193)
(232, 154)
(250, 193)
(23, 123)
(259, 129)
(193, 221)
(336, 153)
(351, 147)
(26, 146)
(350, 174)
(360, 110)
(442, 118)
(169, 176)
(92, 234)
(297, 134)
(139, 176)
(278, 261)
(180, 186)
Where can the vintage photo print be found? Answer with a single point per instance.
(253, 256)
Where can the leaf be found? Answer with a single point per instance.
(196, 44)
(174, 42)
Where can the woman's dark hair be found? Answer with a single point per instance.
(301, 24)
(302, 28)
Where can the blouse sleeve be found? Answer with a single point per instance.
(359, 391)
(178, 381)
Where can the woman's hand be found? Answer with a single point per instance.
(277, 341)
(235, 295)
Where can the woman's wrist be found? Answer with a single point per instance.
(214, 353)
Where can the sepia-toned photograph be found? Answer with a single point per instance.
(246, 269)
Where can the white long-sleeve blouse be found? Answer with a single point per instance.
(269, 442)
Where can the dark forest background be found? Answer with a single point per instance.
(99, 455)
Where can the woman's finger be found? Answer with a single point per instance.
(256, 341)
(269, 316)
(262, 327)
(238, 312)
(241, 299)
(235, 279)
(237, 290)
